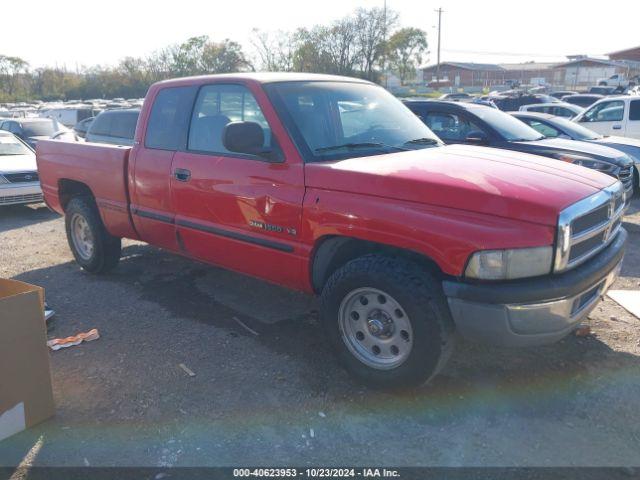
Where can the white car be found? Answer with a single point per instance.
(19, 182)
(619, 116)
(557, 109)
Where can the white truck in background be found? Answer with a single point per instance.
(619, 80)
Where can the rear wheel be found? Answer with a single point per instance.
(388, 320)
(94, 249)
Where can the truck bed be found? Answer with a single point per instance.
(101, 169)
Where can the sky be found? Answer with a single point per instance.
(79, 32)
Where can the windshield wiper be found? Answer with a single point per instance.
(353, 146)
(422, 141)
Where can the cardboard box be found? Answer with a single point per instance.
(26, 396)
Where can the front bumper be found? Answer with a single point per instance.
(20, 193)
(536, 311)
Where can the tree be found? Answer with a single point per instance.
(339, 42)
(14, 77)
(223, 57)
(406, 48)
(275, 50)
(374, 25)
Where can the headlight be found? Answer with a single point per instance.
(588, 162)
(510, 264)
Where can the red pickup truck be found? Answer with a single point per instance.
(332, 186)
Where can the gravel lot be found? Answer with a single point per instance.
(277, 396)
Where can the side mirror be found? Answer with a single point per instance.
(477, 137)
(243, 137)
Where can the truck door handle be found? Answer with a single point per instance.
(182, 175)
(617, 127)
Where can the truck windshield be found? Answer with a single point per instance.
(338, 120)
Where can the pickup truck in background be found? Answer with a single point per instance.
(330, 185)
(617, 116)
(619, 80)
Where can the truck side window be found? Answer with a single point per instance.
(218, 105)
(169, 119)
(606, 112)
(634, 110)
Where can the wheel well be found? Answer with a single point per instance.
(67, 189)
(333, 252)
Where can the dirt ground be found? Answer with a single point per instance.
(276, 396)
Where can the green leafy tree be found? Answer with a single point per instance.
(406, 48)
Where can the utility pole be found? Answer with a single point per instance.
(384, 52)
(439, 31)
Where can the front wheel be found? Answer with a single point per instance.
(94, 249)
(388, 320)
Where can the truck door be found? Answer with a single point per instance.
(606, 118)
(150, 165)
(239, 211)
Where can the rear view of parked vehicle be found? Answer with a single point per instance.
(115, 127)
(19, 183)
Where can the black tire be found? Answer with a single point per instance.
(602, 84)
(419, 294)
(106, 248)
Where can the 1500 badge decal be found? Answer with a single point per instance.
(272, 228)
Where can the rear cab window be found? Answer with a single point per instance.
(168, 124)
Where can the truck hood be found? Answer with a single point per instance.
(17, 163)
(476, 179)
(561, 146)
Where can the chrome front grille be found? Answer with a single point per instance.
(588, 226)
